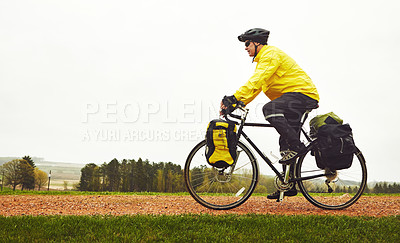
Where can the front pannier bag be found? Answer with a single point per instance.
(221, 144)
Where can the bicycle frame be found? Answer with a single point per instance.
(259, 152)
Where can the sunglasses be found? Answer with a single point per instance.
(247, 43)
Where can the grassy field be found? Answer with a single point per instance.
(203, 228)
(8, 191)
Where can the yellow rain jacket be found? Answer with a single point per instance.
(276, 73)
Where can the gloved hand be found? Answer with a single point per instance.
(229, 100)
(227, 104)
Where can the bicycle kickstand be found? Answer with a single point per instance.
(285, 181)
(280, 199)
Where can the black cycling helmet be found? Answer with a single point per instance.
(257, 35)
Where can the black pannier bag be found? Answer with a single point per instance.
(221, 144)
(336, 146)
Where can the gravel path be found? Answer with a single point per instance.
(375, 206)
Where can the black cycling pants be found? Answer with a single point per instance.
(285, 113)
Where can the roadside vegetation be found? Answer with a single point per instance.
(204, 228)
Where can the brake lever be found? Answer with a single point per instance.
(239, 105)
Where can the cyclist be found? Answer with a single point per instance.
(288, 87)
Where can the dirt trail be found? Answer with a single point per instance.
(168, 205)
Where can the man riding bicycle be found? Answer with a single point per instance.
(288, 87)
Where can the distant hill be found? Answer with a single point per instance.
(59, 170)
(8, 159)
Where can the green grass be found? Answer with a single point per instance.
(45, 192)
(7, 191)
(202, 228)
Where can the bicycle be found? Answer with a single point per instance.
(227, 188)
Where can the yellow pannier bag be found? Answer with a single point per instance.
(221, 143)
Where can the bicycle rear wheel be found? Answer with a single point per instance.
(338, 191)
(217, 188)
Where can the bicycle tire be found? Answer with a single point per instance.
(346, 185)
(220, 190)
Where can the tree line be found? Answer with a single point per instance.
(132, 176)
(23, 173)
(141, 175)
(384, 187)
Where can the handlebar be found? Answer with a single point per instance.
(240, 105)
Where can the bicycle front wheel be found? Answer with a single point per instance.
(217, 188)
(339, 190)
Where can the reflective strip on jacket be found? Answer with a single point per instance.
(276, 73)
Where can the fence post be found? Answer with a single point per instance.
(48, 186)
(2, 180)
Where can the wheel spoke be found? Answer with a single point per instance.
(346, 186)
(218, 189)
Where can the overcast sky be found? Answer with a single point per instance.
(89, 81)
